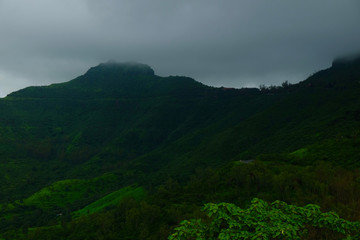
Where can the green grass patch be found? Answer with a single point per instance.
(66, 192)
(300, 153)
(111, 199)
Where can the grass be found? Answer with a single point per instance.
(57, 194)
(111, 199)
(300, 153)
(66, 192)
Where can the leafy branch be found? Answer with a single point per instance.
(261, 220)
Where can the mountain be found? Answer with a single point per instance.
(115, 80)
(110, 116)
(66, 146)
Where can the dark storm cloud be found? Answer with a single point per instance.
(230, 43)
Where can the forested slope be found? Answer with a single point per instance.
(176, 144)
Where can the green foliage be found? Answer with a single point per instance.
(165, 205)
(131, 219)
(263, 221)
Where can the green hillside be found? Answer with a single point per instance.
(72, 149)
(68, 192)
(110, 200)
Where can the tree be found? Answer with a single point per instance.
(286, 84)
(261, 220)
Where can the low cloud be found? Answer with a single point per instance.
(221, 43)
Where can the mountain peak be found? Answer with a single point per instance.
(124, 69)
(347, 60)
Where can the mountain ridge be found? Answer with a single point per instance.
(111, 128)
(116, 80)
(133, 76)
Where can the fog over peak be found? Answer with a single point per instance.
(220, 43)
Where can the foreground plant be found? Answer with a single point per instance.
(261, 220)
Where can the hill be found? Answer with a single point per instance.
(170, 132)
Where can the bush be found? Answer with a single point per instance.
(261, 220)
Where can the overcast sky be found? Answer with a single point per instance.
(232, 43)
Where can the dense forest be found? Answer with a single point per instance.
(121, 153)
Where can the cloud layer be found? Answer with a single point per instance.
(221, 43)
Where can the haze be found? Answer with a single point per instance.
(228, 43)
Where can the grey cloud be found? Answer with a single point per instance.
(221, 43)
